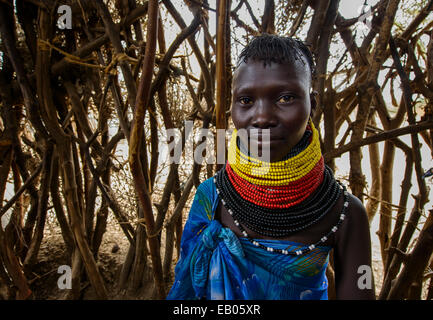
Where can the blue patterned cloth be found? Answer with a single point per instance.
(215, 264)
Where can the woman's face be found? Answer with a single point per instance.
(275, 97)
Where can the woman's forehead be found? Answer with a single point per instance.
(257, 72)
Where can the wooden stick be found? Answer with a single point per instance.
(23, 188)
(415, 128)
(142, 100)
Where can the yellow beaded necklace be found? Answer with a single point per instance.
(275, 173)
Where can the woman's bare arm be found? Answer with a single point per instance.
(352, 255)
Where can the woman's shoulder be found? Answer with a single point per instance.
(353, 250)
(356, 209)
(207, 187)
(356, 221)
(204, 203)
(206, 191)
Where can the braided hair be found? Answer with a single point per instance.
(271, 48)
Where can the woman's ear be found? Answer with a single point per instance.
(313, 102)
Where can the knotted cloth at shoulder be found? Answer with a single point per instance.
(211, 236)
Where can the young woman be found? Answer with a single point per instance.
(264, 229)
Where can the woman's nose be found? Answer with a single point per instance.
(264, 116)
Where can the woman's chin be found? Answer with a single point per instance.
(267, 151)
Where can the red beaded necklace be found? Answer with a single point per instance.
(268, 193)
(278, 196)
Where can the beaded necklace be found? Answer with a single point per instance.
(278, 173)
(278, 205)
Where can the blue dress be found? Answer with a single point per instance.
(215, 264)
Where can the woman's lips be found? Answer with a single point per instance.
(265, 145)
(264, 135)
(265, 139)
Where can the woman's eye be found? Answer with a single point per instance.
(286, 99)
(245, 100)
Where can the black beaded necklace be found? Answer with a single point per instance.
(279, 223)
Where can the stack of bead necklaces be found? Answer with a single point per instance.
(277, 199)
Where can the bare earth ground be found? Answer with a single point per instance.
(52, 255)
